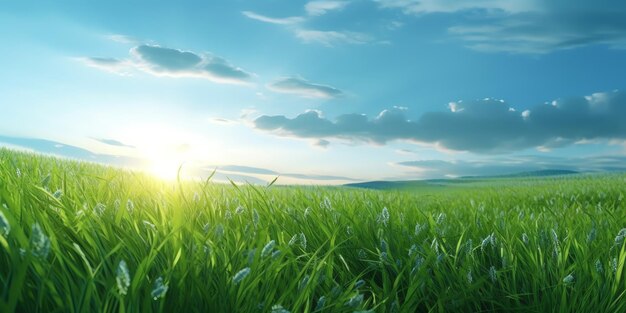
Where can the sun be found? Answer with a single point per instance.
(165, 168)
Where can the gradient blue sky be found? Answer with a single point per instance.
(318, 91)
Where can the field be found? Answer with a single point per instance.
(79, 237)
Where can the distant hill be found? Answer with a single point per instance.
(438, 183)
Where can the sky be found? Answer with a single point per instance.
(318, 92)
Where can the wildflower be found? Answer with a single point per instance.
(159, 289)
(255, 217)
(383, 257)
(360, 283)
(303, 282)
(321, 302)
(5, 227)
(362, 254)
(619, 239)
(241, 275)
(383, 245)
(275, 254)
(349, 230)
(525, 238)
(57, 194)
(228, 215)
(469, 246)
(412, 250)
(148, 224)
(470, 278)
(99, 208)
(39, 242)
(614, 265)
(18, 172)
(418, 229)
(219, 230)
(123, 278)
(599, 267)
(269, 247)
(493, 274)
(355, 301)
(293, 240)
(279, 309)
(592, 234)
(384, 216)
(239, 210)
(130, 206)
(303, 240)
(45, 181)
(441, 218)
(487, 241)
(555, 237)
(569, 279)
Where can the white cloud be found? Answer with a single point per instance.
(161, 61)
(316, 8)
(331, 38)
(481, 126)
(304, 88)
(273, 20)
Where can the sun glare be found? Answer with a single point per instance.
(165, 168)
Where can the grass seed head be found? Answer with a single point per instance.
(5, 227)
(241, 275)
(122, 278)
(39, 242)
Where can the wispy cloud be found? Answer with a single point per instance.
(481, 126)
(309, 35)
(162, 61)
(528, 27)
(274, 20)
(304, 88)
(513, 164)
(113, 142)
(316, 8)
(331, 38)
(112, 65)
(450, 6)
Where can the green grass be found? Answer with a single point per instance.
(488, 248)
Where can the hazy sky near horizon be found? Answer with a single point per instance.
(319, 91)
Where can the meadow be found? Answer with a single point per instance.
(80, 237)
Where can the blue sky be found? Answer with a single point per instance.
(318, 91)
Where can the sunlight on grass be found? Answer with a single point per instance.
(77, 237)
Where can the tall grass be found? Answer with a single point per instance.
(78, 237)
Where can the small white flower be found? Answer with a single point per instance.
(279, 309)
(159, 289)
(569, 279)
(355, 301)
(241, 275)
(122, 278)
(5, 227)
(493, 274)
(39, 242)
(269, 247)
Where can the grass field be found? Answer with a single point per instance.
(78, 237)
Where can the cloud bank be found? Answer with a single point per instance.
(304, 88)
(511, 165)
(520, 26)
(480, 126)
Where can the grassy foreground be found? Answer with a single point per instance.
(76, 237)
